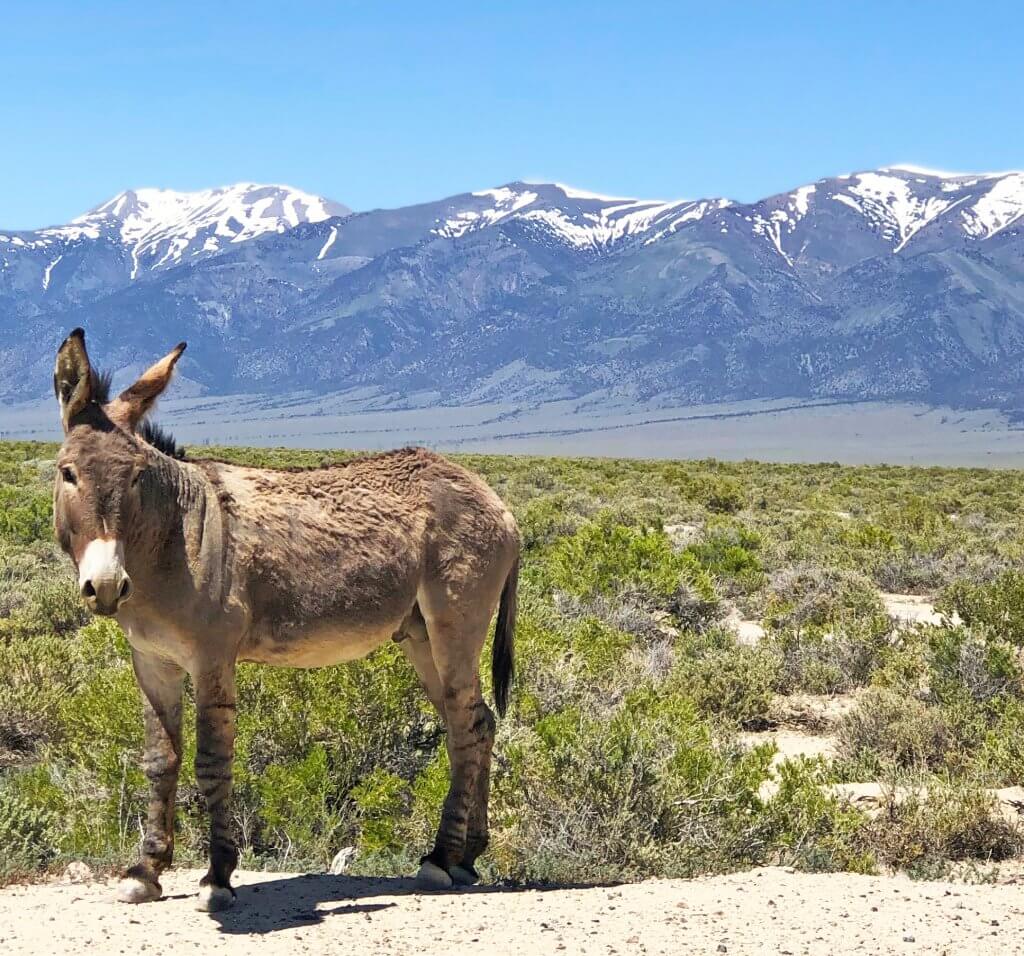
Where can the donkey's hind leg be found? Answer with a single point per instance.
(414, 642)
(455, 644)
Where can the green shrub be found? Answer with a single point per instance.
(811, 829)
(729, 551)
(998, 605)
(604, 557)
(829, 662)
(889, 730)
(918, 830)
(809, 596)
(28, 832)
(644, 791)
(725, 679)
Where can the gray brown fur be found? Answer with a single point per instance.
(292, 568)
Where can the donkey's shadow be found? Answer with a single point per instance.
(295, 901)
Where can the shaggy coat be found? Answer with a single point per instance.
(205, 564)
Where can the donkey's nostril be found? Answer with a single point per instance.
(126, 588)
(88, 591)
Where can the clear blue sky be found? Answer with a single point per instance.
(383, 104)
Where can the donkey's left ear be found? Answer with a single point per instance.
(136, 401)
(74, 381)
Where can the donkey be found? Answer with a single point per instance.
(205, 564)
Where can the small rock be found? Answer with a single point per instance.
(722, 948)
(342, 860)
(908, 939)
(77, 872)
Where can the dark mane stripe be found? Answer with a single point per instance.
(161, 440)
(101, 387)
(148, 431)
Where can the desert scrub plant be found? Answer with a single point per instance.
(889, 731)
(729, 550)
(546, 518)
(833, 661)
(723, 678)
(976, 662)
(605, 557)
(810, 828)
(922, 828)
(807, 595)
(998, 604)
(644, 790)
(27, 832)
(720, 494)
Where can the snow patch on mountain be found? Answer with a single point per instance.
(892, 206)
(49, 271)
(163, 227)
(573, 217)
(784, 218)
(1000, 207)
(506, 201)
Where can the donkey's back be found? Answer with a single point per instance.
(330, 562)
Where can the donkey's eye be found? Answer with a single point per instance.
(68, 476)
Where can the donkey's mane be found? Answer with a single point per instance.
(149, 432)
(162, 441)
(101, 387)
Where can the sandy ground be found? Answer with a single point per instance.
(759, 912)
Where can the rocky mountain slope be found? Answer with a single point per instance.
(895, 283)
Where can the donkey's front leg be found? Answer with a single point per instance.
(215, 751)
(160, 682)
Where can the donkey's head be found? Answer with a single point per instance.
(96, 492)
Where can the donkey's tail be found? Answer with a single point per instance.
(503, 653)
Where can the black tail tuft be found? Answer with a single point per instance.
(503, 654)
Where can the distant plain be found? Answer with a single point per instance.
(600, 425)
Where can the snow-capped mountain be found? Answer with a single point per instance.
(895, 282)
(899, 204)
(148, 229)
(583, 220)
(162, 227)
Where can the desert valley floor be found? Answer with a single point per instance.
(796, 430)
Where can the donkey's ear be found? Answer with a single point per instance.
(136, 401)
(74, 381)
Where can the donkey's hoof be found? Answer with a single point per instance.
(432, 877)
(464, 875)
(133, 890)
(213, 899)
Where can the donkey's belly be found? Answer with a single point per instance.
(316, 646)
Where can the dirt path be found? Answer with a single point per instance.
(759, 912)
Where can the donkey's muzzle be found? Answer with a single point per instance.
(102, 579)
(105, 595)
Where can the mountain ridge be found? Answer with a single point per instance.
(888, 283)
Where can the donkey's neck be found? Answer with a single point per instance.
(178, 494)
(176, 551)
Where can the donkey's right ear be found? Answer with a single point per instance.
(73, 377)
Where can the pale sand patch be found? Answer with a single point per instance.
(791, 744)
(912, 609)
(760, 912)
(749, 633)
(814, 712)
